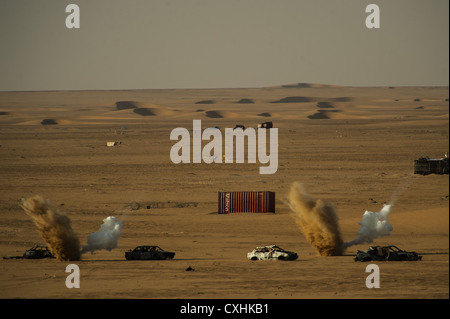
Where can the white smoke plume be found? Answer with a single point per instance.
(373, 225)
(106, 238)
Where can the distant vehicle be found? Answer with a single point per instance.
(425, 165)
(271, 252)
(148, 253)
(265, 125)
(35, 252)
(386, 253)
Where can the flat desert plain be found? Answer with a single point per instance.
(353, 147)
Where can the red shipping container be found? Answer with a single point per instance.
(246, 202)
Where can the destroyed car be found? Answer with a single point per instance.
(271, 252)
(386, 253)
(148, 253)
(35, 252)
(38, 252)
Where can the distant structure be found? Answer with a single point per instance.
(426, 165)
(246, 202)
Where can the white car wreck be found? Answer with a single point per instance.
(271, 252)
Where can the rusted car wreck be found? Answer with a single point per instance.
(386, 253)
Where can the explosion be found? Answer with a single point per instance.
(106, 238)
(373, 225)
(54, 227)
(56, 230)
(317, 220)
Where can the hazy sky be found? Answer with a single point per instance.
(134, 44)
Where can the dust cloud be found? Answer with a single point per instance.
(317, 220)
(56, 230)
(54, 227)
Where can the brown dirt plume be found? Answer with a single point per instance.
(54, 227)
(317, 220)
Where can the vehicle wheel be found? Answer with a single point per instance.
(254, 258)
(281, 258)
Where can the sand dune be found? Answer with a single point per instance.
(145, 111)
(307, 85)
(123, 105)
(245, 101)
(295, 99)
(222, 114)
(325, 105)
(49, 122)
(205, 102)
(144, 108)
(342, 99)
(275, 102)
(322, 114)
(305, 99)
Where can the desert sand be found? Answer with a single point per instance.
(353, 147)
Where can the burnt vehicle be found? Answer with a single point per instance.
(426, 165)
(148, 253)
(386, 253)
(273, 252)
(38, 252)
(35, 252)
